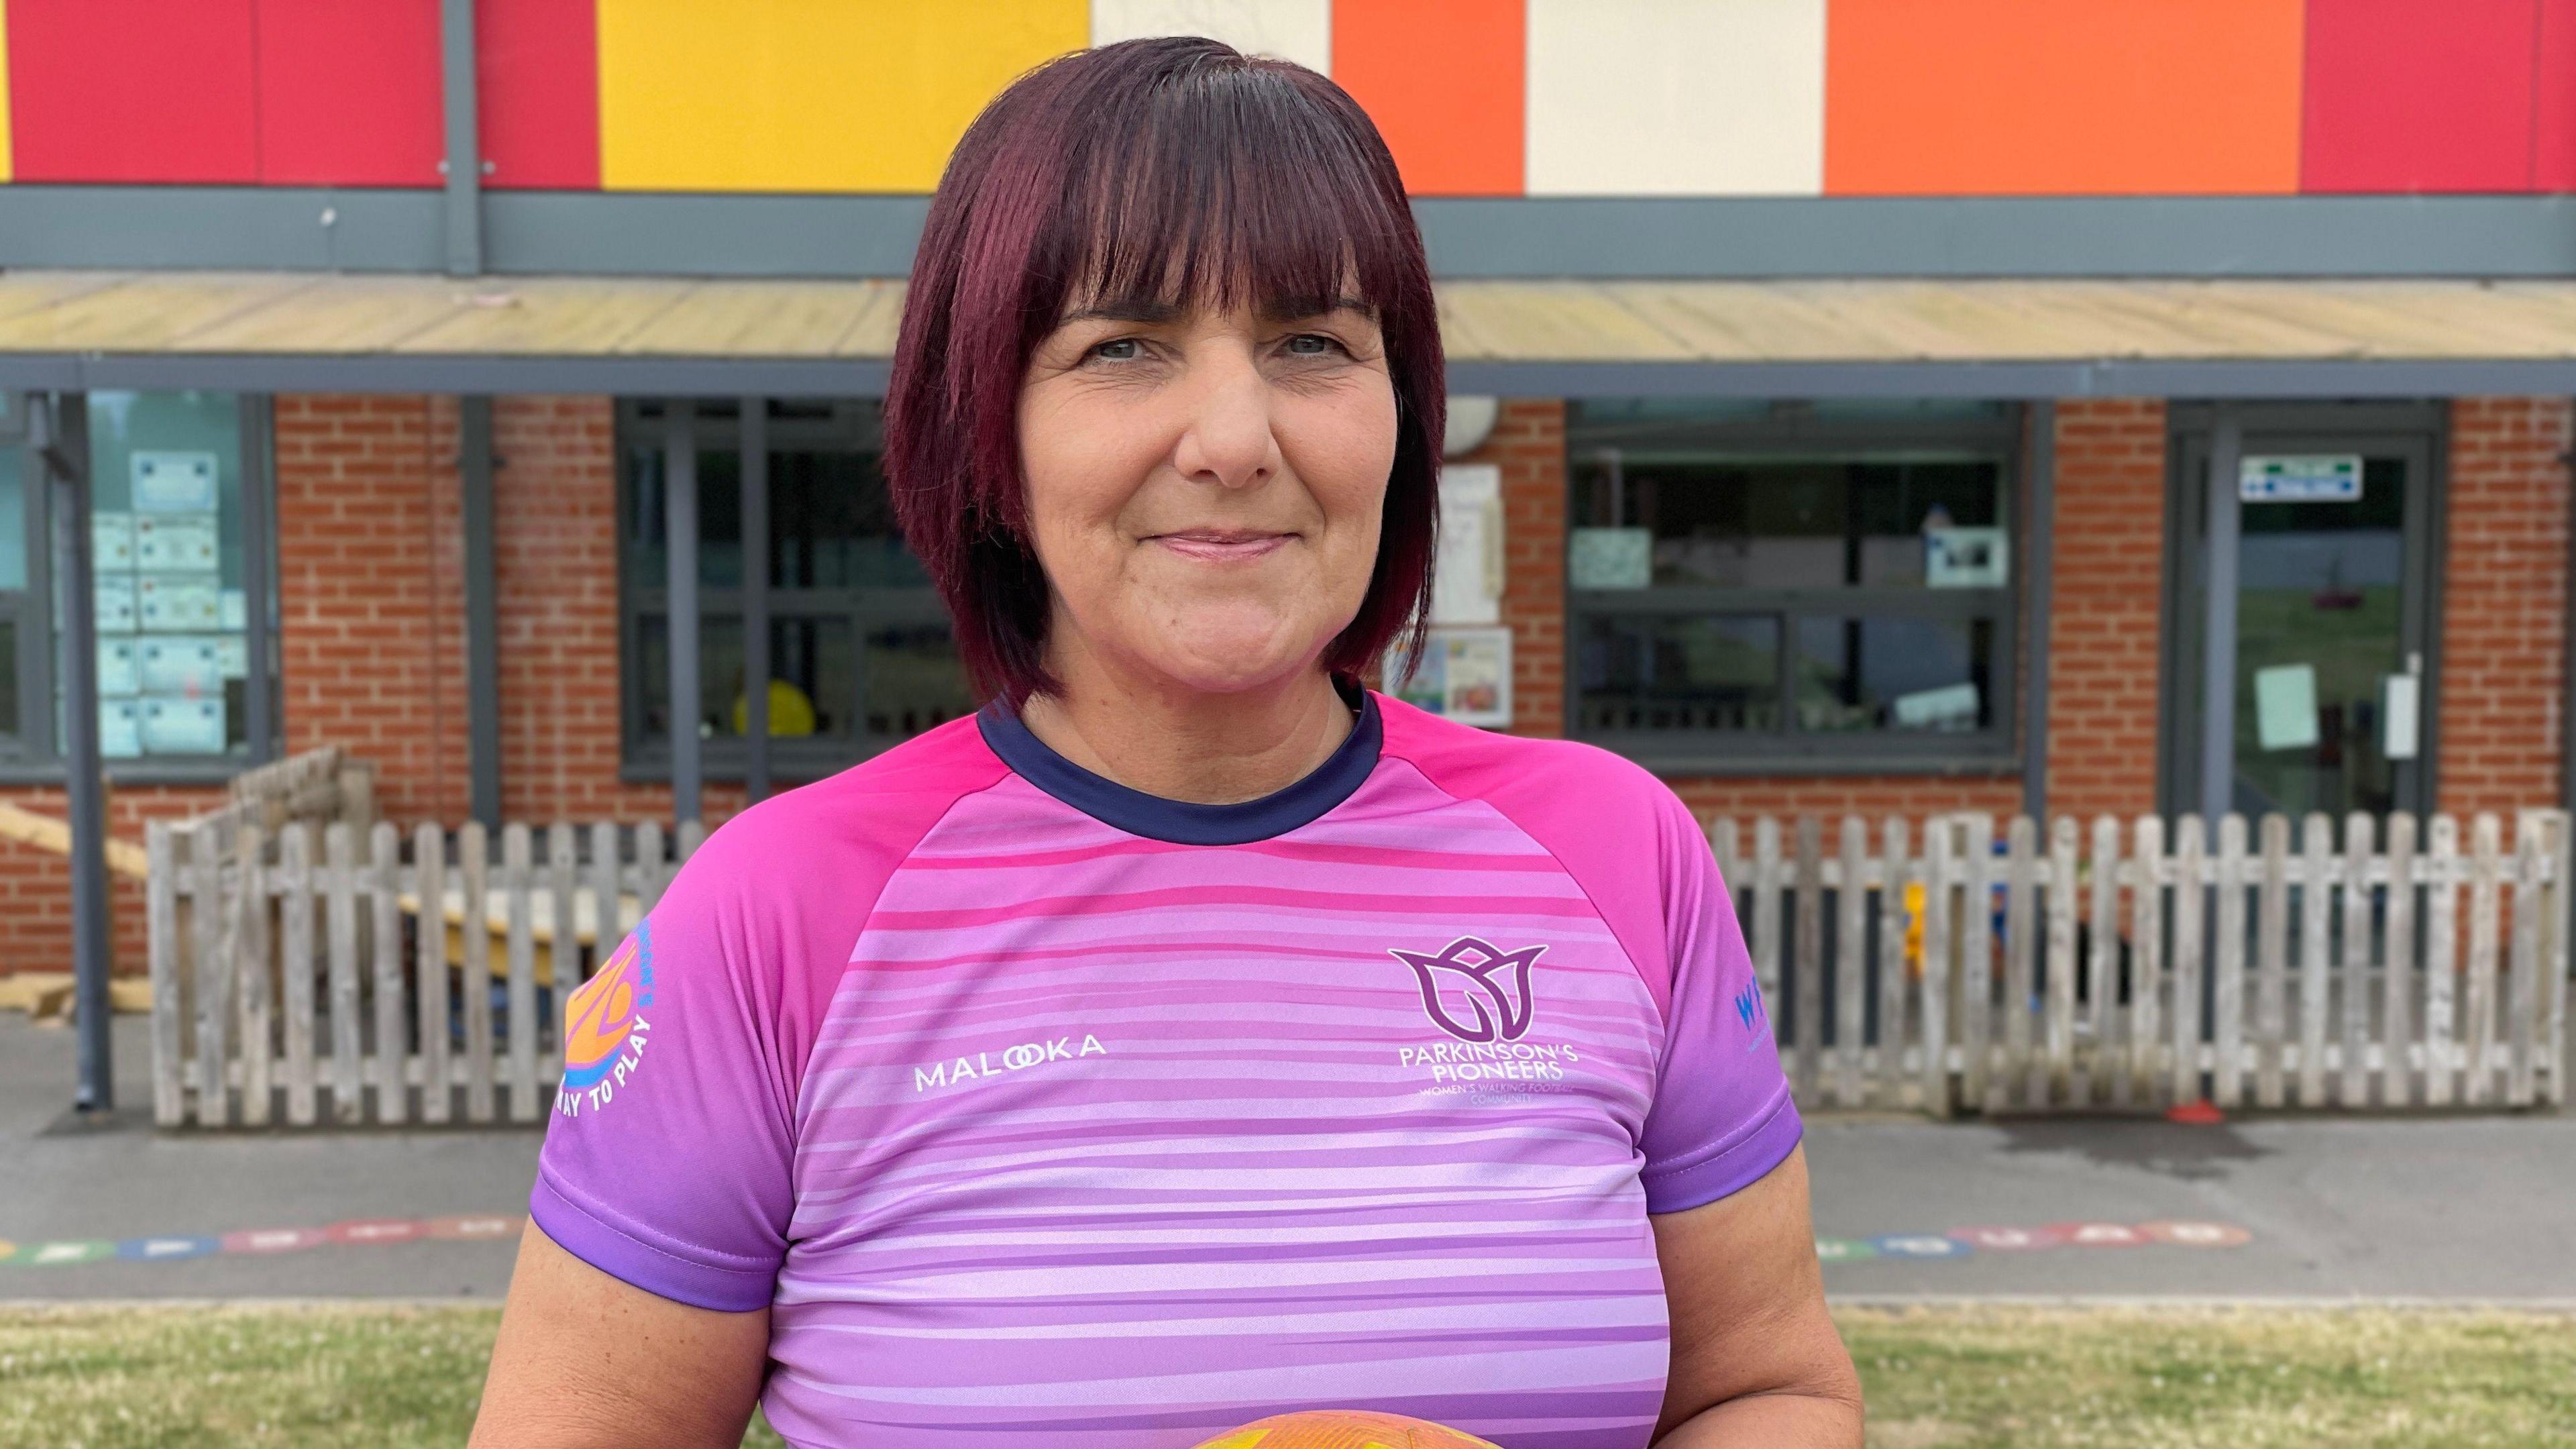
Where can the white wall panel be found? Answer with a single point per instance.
(1298, 30)
(1676, 97)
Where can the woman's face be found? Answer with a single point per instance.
(1204, 487)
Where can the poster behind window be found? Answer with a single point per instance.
(1464, 675)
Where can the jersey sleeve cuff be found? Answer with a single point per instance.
(656, 1270)
(1737, 1165)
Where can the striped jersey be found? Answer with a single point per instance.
(1039, 1110)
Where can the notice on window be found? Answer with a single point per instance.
(2299, 478)
(182, 726)
(1464, 675)
(173, 542)
(1951, 707)
(111, 542)
(116, 608)
(1966, 558)
(2285, 707)
(185, 667)
(2399, 703)
(120, 728)
(1610, 558)
(168, 482)
(178, 603)
(117, 674)
(1467, 578)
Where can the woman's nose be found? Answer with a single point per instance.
(1226, 439)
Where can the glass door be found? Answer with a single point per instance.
(2333, 670)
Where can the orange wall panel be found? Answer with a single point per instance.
(134, 91)
(2040, 97)
(1446, 82)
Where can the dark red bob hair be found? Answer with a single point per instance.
(1177, 171)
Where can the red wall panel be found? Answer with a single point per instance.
(2418, 95)
(349, 93)
(538, 88)
(133, 90)
(2553, 102)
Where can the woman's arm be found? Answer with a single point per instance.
(585, 1361)
(1757, 1363)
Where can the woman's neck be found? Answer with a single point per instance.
(1151, 734)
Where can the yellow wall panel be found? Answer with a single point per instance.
(807, 95)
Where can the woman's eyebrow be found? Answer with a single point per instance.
(1128, 309)
(1291, 309)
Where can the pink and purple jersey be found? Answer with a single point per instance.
(1039, 1110)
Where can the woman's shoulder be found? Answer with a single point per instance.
(835, 833)
(1518, 774)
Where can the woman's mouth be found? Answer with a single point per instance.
(1215, 545)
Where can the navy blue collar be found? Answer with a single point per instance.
(1180, 821)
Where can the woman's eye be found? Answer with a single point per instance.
(1118, 349)
(1312, 344)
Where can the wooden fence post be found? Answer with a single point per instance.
(2397, 1013)
(295, 962)
(2316, 901)
(2487, 871)
(2523, 1011)
(1810, 985)
(2060, 994)
(2441, 959)
(2358, 845)
(429, 876)
(516, 881)
(162, 942)
(2102, 962)
(2021, 949)
(251, 972)
(1938, 835)
(474, 868)
(2227, 968)
(218, 922)
(1893, 968)
(1977, 962)
(1851, 970)
(347, 1057)
(393, 1027)
(2272, 942)
(2191, 839)
(2146, 962)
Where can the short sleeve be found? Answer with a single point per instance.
(667, 1161)
(1722, 1117)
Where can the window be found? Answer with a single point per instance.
(860, 652)
(1758, 584)
(176, 482)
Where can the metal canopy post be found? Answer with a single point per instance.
(463, 209)
(2042, 482)
(474, 464)
(680, 593)
(2218, 651)
(61, 437)
(755, 598)
(259, 548)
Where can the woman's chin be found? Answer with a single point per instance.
(1228, 666)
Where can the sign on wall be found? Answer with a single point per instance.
(2299, 478)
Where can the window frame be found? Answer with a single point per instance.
(30, 753)
(725, 758)
(1793, 432)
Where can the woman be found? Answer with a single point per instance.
(1192, 1035)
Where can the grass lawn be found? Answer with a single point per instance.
(126, 1378)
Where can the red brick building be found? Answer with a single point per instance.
(1878, 428)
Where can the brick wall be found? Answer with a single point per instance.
(2504, 605)
(554, 504)
(2106, 606)
(36, 885)
(1528, 445)
(370, 555)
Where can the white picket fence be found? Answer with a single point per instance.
(429, 980)
(2155, 970)
(340, 976)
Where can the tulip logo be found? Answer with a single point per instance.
(1492, 975)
